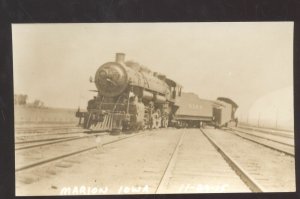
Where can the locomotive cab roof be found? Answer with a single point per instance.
(172, 83)
(229, 101)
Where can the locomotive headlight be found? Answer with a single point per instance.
(102, 73)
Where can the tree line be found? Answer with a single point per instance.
(20, 99)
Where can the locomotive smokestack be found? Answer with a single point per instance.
(120, 57)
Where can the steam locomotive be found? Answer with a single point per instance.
(130, 97)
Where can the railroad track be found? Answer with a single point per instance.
(26, 136)
(288, 134)
(50, 141)
(43, 137)
(169, 166)
(255, 175)
(63, 151)
(275, 138)
(253, 185)
(281, 144)
(194, 158)
(30, 140)
(181, 155)
(251, 162)
(44, 129)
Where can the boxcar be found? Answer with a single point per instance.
(193, 111)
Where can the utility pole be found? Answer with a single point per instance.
(276, 116)
(258, 118)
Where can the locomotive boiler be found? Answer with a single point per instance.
(129, 97)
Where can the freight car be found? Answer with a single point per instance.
(193, 111)
(196, 112)
(224, 112)
(129, 97)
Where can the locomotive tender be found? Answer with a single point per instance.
(193, 111)
(130, 97)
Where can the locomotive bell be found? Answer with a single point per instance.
(120, 58)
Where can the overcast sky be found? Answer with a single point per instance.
(242, 61)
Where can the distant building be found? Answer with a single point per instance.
(273, 110)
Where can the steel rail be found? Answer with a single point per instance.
(18, 135)
(43, 140)
(45, 128)
(245, 177)
(283, 143)
(169, 165)
(58, 141)
(265, 145)
(49, 160)
(287, 135)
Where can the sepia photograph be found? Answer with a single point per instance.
(153, 108)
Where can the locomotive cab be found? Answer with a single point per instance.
(175, 89)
